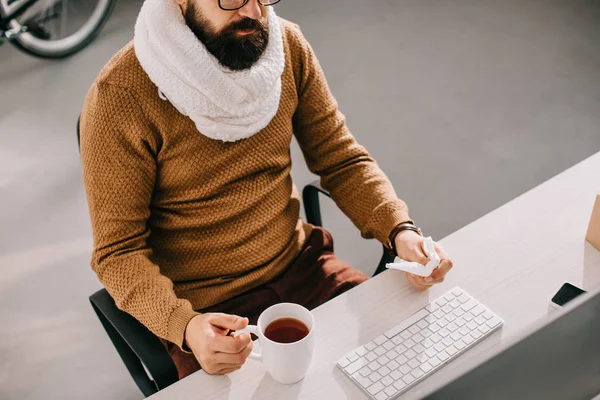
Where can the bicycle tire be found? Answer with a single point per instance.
(45, 48)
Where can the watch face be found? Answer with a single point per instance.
(566, 293)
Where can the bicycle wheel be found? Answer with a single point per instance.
(58, 28)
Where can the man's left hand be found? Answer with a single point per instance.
(409, 246)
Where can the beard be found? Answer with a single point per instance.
(234, 51)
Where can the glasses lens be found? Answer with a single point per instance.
(231, 4)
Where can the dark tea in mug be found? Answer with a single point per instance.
(286, 330)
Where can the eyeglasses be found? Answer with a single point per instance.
(232, 5)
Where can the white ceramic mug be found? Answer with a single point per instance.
(286, 362)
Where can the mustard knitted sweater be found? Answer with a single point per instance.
(182, 222)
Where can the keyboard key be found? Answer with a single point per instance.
(441, 302)
(400, 348)
(383, 360)
(376, 388)
(459, 344)
(487, 314)
(381, 396)
(439, 314)
(454, 304)
(371, 356)
(420, 349)
(400, 385)
(472, 325)
(450, 317)
(392, 354)
(427, 343)
(435, 327)
(434, 361)
(401, 359)
(352, 356)
(380, 340)
(495, 321)
(370, 346)
(405, 369)
(464, 331)
(477, 310)
(396, 375)
(355, 366)
(443, 356)
(457, 291)
(447, 341)
(418, 338)
(447, 309)
(442, 322)
(430, 353)
(388, 345)
(405, 334)
(422, 313)
(362, 381)
(417, 373)
(374, 366)
(408, 379)
(463, 298)
(480, 320)
(410, 354)
(468, 316)
(375, 376)
(409, 343)
(484, 328)
(452, 350)
(397, 339)
(361, 351)
(476, 334)
(365, 371)
(414, 329)
(468, 339)
(449, 296)
(422, 324)
(393, 365)
(380, 351)
(390, 391)
(387, 381)
(460, 322)
(452, 327)
(430, 319)
(444, 332)
(439, 346)
(436, 337)
(426, 332)
(469, 305)
(343, 362)
(426, 367)
(458, 312)
(384, 371)
(455, 336)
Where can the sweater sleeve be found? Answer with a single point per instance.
(356, 183)
(118, 151)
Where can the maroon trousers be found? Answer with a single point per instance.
(316, 276)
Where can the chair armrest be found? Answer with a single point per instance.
(137, 346)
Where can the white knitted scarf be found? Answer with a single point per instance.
(225, 105)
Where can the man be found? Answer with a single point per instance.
(186, 157)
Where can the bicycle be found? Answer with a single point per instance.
(48, 28)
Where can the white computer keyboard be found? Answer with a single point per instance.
(403, 356)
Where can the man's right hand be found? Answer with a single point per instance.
(217, 353)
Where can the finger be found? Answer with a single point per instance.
(418, 282)
(234, 358)
(231, 344)
(228, 370)
(440, 272)
(419, 255)
(441, 252)
(228, 321)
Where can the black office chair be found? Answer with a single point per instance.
(140, 349)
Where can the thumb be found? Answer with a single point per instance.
(228, 321)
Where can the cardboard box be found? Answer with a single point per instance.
(593, 233)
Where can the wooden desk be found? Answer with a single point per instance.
(513, 260)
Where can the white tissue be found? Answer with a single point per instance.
(416, 268)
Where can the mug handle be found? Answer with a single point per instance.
(250, 329)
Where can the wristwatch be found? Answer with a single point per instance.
(404, 226)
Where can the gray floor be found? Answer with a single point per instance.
(465, 105)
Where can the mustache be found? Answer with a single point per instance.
(246, 24)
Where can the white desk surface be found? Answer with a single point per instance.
(513, 260)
